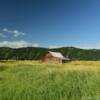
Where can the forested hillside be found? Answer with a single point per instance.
(33, 53)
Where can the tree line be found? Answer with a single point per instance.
(36, 53)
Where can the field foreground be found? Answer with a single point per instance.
(30, 80)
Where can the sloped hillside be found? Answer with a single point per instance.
(34, 53)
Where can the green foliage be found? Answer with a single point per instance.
(79, 54)
(32, 53)
(28, 53)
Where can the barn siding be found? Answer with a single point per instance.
(50, 59)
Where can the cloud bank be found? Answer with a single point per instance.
(18, 44)
(54, 46)
(22, 43)
(83, 46)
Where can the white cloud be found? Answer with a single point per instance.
(5, 29)
(89, 46)
(15, 33)
(83, 46)
(54, 46)
(17, 44)
(35, 45)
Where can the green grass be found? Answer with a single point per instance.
(29, 80)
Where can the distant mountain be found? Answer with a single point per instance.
(35, 53)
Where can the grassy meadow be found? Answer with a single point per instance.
(32, 80)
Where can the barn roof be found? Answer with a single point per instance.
(58, 55)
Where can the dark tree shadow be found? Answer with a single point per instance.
(3, 69)
(2, 78)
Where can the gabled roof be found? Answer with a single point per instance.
(58, 55)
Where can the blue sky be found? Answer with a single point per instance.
(50, 23)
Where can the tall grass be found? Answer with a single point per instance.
(35, 81)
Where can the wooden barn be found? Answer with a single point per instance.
(54, 57)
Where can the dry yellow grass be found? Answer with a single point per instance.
(74, 65)
(83, 65)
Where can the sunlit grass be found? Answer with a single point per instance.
(33, 80)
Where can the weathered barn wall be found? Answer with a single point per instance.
(50, 59)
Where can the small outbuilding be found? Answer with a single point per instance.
(54, 57)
